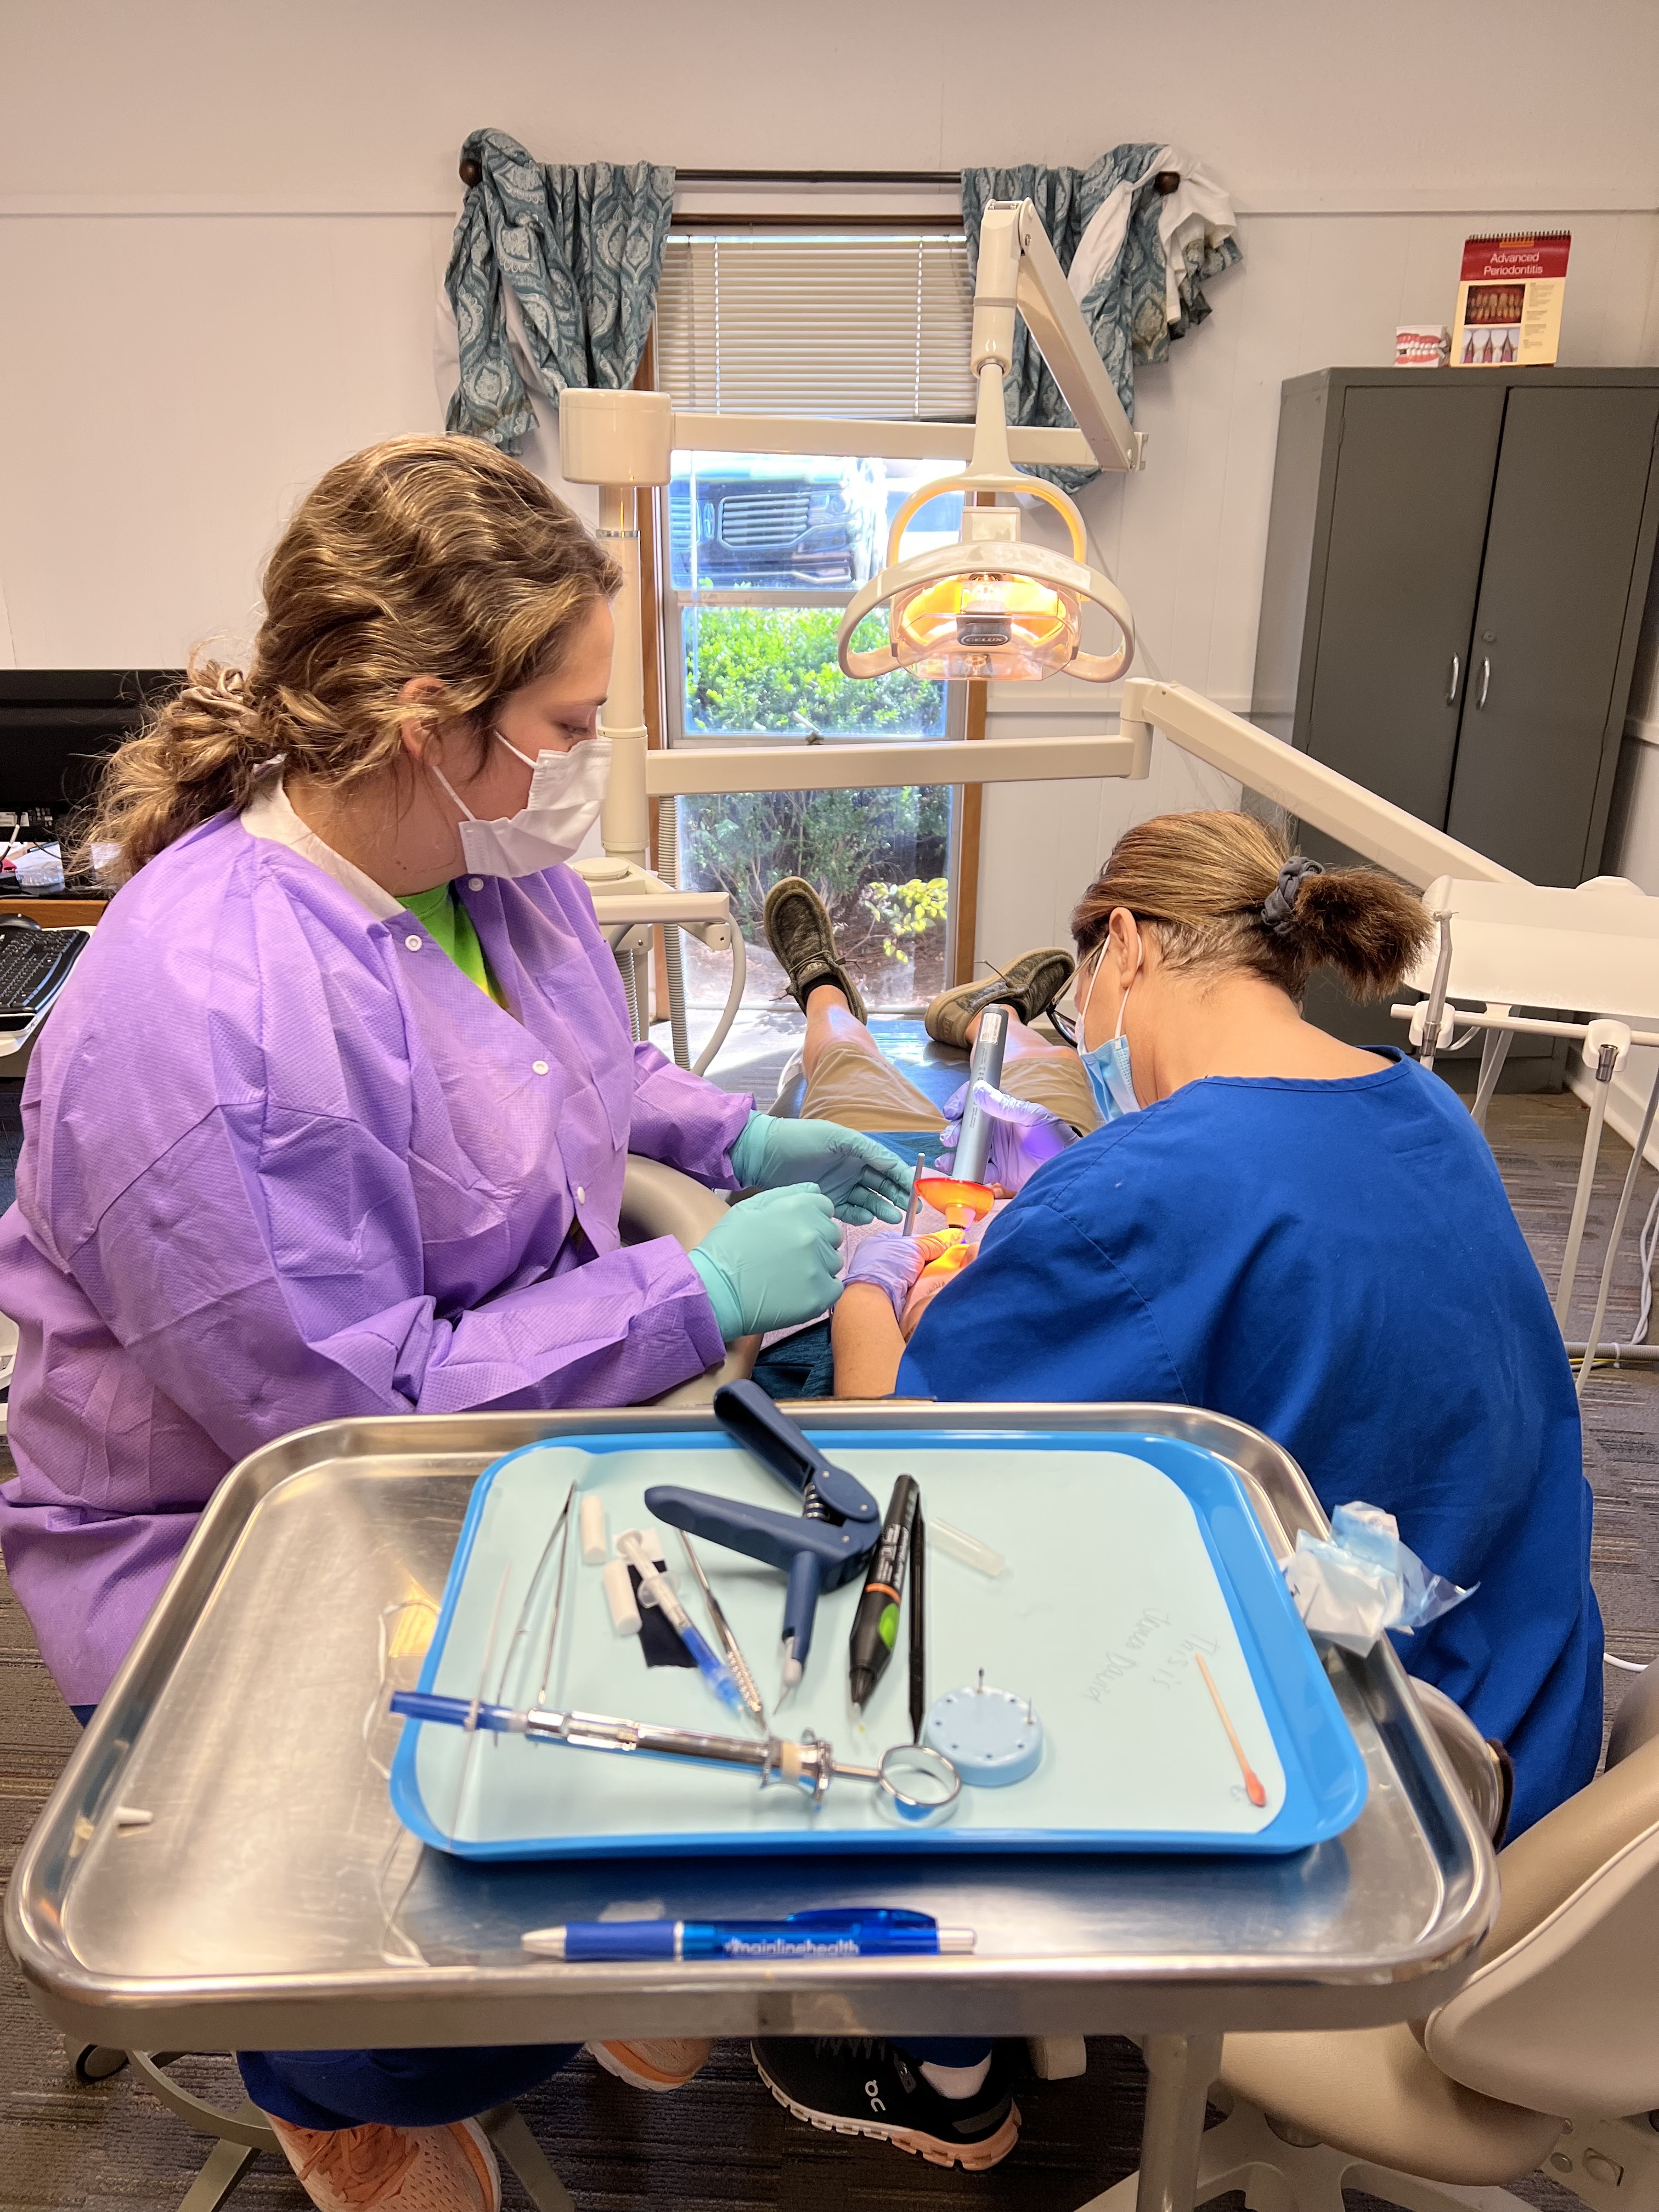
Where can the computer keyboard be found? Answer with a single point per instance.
(33, 966)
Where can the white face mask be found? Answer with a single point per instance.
(566, 793)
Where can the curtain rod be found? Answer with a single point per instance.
(818, 176)
(1165, 182)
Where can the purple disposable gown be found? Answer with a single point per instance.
(283, 1163)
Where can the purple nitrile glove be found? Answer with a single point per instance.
(1023, 1135)
(893, 1263)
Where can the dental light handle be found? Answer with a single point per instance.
(745, 1412)
(973, 1150)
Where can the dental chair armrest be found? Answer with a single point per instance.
(661, 1201)
(1638, 1719)
(1485, 1771)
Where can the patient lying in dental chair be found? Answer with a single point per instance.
(850, 1081)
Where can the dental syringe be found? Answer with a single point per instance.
(915, 1783)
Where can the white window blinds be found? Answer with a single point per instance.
(873, 326)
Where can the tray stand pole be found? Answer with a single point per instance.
(509, 2131)
(1179, 2071)
(227, 2163)
(1606, 1062)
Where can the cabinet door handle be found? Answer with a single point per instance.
(1485, 678)
(1451, 690)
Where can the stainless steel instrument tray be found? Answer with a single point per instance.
(272, 1900)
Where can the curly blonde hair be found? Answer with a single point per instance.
(439, 557)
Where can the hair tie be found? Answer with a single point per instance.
(1278, 907)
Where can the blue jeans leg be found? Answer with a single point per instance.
(396, 2088)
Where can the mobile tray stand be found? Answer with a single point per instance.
(220, 1865)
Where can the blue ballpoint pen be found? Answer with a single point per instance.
(844, 1932)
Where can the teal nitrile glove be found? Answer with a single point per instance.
(771, 1263)
(862, 1180)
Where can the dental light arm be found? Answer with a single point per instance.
(1019, 269)
(992, 606)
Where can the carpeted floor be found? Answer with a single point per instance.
(723, 2142)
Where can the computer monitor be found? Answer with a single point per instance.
(55, 726)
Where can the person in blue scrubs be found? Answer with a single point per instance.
(1311, 1238)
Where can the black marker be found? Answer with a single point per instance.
(918, 1624)
(875, 1624)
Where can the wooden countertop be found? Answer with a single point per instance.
(57, 914)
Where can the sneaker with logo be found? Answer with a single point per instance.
(860, 2086)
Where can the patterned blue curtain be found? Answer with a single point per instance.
(1125, 307)
(581, 250)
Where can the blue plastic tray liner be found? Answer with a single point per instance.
(1125, 1560)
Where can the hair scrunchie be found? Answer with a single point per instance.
(1278, 907)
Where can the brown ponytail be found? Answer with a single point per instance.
(423, 556)
(1217, 895)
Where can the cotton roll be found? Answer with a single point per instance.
(595, 1544)
(619, 1597)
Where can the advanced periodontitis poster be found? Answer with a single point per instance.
(1508, 300)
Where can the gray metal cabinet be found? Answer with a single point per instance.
(1457, 563)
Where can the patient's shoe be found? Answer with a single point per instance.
(375, 2169)
(1031, 985)
(860, 2085)
(799, 931)
(666, 2062)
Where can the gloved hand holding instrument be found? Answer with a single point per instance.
(1023, 1134)
(896, 1264)
(771, 1261)
(862, 1180)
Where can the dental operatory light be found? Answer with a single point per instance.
(991, 606)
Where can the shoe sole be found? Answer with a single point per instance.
(636, 2072)
(835, 973)
(973, 2158)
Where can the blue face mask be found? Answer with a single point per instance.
(1108, 1065)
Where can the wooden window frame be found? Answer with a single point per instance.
(967, 812)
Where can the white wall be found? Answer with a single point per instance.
(222, 225)
(1406, 103)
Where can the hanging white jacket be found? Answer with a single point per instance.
(1200, 210)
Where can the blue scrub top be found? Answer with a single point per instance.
(1336, 1263)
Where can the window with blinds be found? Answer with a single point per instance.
(876, 326)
